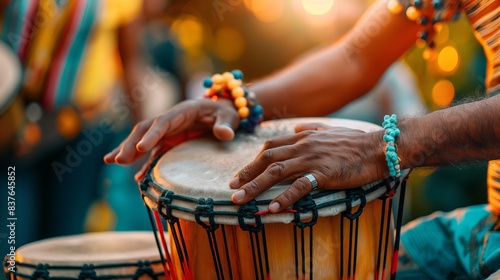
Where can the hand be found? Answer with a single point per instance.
(184, 121)
(337, 157)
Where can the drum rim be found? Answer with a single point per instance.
(26, 256)
(11, 86)
(154, 195)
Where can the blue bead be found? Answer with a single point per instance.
(417, 3)
(388, 138)
(423, 35)
(244, 124)
(422, 20)
(257, 110)
(456, 16)
(207, 83)
(237, 74)
(438, 4)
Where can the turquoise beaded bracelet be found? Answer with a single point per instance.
(391, 155)
(230, 86)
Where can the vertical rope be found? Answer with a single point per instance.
(349, 266)
(227, 252)
(185, 256)
(355, 248)
(259, 254)
(380, 238)
(155, 233)
(214, 258)
(394, 264)
(341, 247)
(163, 242)
(311, 252)
(296, 252)
(387, 233)
(253, 256)
(175, 236)
(266, 257)
(303, 252)
(217, 254)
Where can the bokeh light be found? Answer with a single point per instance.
(68, 123)
(317, 7)
(266, 10)
(448, 59)
(229, 44)
(443, 93)
(189, 32)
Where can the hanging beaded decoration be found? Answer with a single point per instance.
(427, 13)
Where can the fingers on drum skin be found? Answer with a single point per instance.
(311, 126)
(263, 161)
(128, 149)
(273, 175)
(280, 141)
(298, 189)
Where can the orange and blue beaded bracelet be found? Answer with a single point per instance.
(230, 86)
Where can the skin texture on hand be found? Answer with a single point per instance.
(184, 121)
(337, 157)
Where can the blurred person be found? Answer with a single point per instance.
(461, 244)
(83, 83)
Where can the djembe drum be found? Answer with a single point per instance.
(341, 234)
(105, 255)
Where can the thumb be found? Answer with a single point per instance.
(223, 127)
(311, 126)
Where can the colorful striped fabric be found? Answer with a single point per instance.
(484, 16)
(68, 48)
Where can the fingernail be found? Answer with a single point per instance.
(234, 182)
(274, 207)
(226, 124)
(238, 196)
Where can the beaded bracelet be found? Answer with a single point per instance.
(441, 11)
(230, 86)
(391, 155)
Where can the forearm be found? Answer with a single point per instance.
(328, 80)
(315, 86)
(464, 133)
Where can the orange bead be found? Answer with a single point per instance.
(228, 76)
(217, 79)
(243, 112)
(234, 84)
(240, 102)
(238, 92)
(209, 93)
(412, 13)
(395, 7)
(429, 54)
(216, 87)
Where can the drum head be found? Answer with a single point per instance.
(95, 248)
(10, 75)
(202, 168)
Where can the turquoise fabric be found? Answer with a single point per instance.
(454, 245)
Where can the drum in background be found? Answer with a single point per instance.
(11, 107)
(105, 255)
(340, 234)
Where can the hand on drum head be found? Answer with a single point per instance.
(337, 157)
(184, 121)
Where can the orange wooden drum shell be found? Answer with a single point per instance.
(280, 245)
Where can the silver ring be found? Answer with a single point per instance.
(313, 181)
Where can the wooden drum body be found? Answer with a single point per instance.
(327, 234)
(105, 255)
